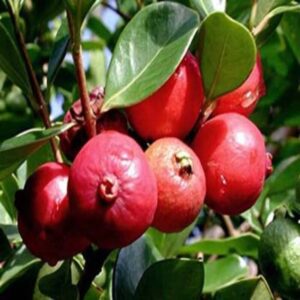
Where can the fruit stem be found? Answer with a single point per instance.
(94, 261)
(90, 122)
(36, 90)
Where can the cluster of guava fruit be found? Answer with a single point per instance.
(114, 190)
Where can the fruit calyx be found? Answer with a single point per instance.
(108, 189)
(184, 163)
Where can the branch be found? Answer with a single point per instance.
(229, 226)
(36, 90)
(94, 261)
(90, 122)
(117, 11)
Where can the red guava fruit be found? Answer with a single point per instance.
(180, 182)
(233, 155)
(44, 219)
(174, 108)
(112, 190)
(243, 99)
(73, 139)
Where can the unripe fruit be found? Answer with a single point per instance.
(44, 218)
(243, 100)
(74, 139)
(174, 108)
(180, 181)
(279, 257)
(233, 155)
(112, 190)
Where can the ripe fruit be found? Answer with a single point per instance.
(44, 219)
(180, 181)
(279, 257)
(74, 139)
(243, 99)
(112, 190)
(173, 109)
(232, 152)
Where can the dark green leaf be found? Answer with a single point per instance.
(15, 150)
(168, 244)
(59, 51)
(99, 29)
(10, 58)
(290, 24)
(239, 10)
(249, 289)
(227, 54)
(175, 279)
(222, 272)
(9, 186)
(16, 267)
(160, 34)
(58, 284)
(131, 264)
(5, 249)
(245, 245)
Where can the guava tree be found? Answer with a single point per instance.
(156, 160)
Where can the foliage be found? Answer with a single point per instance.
(147, 45)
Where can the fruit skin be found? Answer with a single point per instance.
(243, 100)
(174, 108)
(44, 217)
(279, 257)
(180, 181)
(233, 155)
(74, 139)
(112, 189)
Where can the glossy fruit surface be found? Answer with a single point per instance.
(112, 190)
(74, 139)
(44, 218)
(232, 152)
(180, 181)
(279, 257)
(243, 100)
(173, 109)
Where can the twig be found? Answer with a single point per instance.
(229, 226)
(90, 123)
(117, 11)
(36, 90)
(94, 261)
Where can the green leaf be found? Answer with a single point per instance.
(99, 29)
(21, 262)
(159, 35)
(16, 6)
(227, 54)
(285, 176)
(59, 51)
(265, 6)
(175, 279)
(206, 7)
(272, 14)
(168, 244)
(15, 150)
(245, 244)
(131, 264)
(249, 289)
(11, 61)
(290, 24)
(58, 284)
(79, 9)
(239, 10)
(9, 186)
(222, 272)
